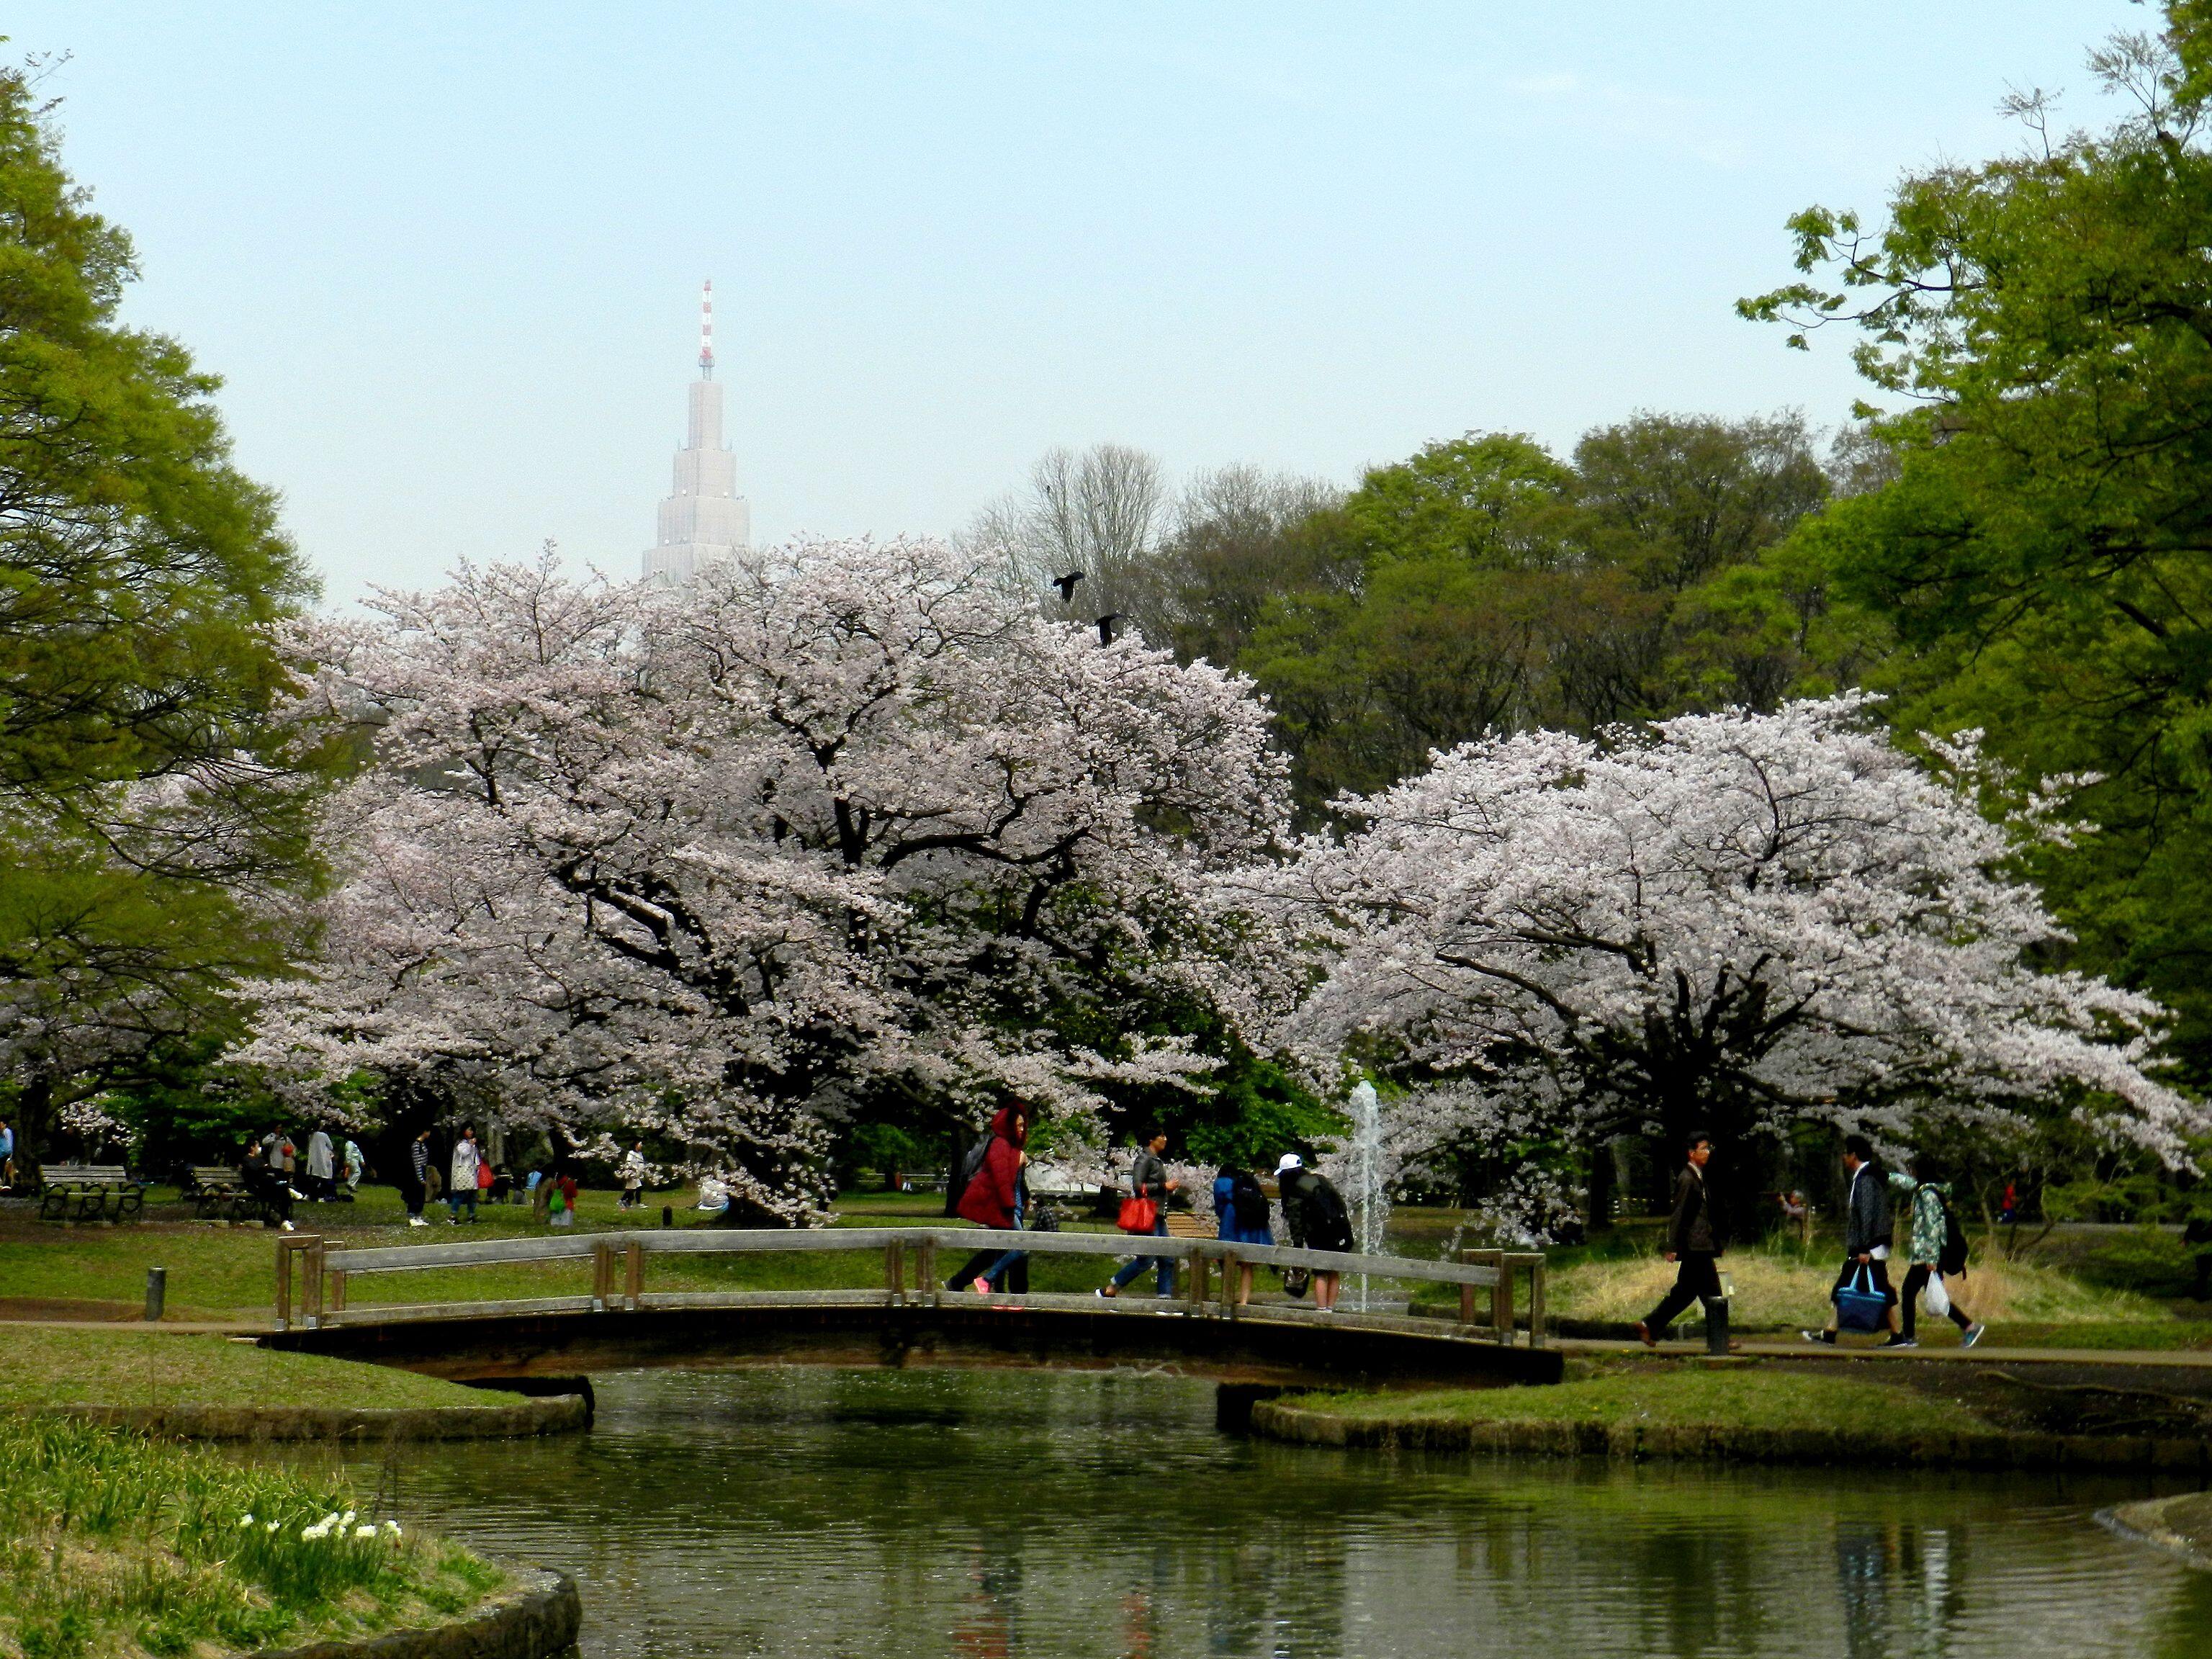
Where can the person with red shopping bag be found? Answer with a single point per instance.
(1145, 1213)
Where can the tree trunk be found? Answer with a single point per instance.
(1601, 1184)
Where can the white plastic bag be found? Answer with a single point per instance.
(1937, 1298)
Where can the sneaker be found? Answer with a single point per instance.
(981, 1287)
(287, 1226)
(1828, 1337)
(298, 1197)
(1972, 1335)
(416, 1221)
(1897, 1341)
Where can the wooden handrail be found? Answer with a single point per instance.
(1493, 1270)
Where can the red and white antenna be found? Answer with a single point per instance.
(707, 331)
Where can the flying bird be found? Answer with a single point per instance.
(1106, 627)
(1067, 586)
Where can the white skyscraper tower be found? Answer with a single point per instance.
(705, 521)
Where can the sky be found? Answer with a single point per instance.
(447, 258)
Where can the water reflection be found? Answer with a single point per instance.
(884, 1515)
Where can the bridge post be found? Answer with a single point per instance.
(1195, 1287)
(894, 1271)
(1536, 1300)
(1501, 1298)
(283, 1283)
(925, 1272)
(336, 1283)
(634, 1274)
(603, 1274)
(311, 1282)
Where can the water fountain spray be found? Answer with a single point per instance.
(1370, 1203)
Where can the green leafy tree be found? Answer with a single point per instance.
(2045, 319)
(150, 803)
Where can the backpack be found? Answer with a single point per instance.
(971, 1165)
(1952, 1258)
(1248, 1202)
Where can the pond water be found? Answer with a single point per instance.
(823, 1515)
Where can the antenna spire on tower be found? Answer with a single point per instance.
(707, 331)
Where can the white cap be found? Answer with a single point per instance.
(1290, 1161)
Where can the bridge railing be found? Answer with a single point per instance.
(1485, 1280)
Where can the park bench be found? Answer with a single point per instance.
(97, 1192)
(218, 1194)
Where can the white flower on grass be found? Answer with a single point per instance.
(360, 1533)
(349, 1519)
(248, 1521)
(271, 1527)
(392, 1528)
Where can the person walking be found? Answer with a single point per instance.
(1695, 1239)
(632, 1176)
(1935, 1245)
(414, 1178)
(1866, 1226)
(322, 1166)
(7, 1158)
(463, 1190)
(561, 1198)
(1148, 1182)
(1240, 1209)
(1315, 1216)
(993, 1197)
(355, 1167)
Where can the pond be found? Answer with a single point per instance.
(882, 1514)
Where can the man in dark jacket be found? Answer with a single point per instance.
(1866, 1235)
(1314, 1216)
(1694, 1241)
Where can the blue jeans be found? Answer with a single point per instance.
(454, 1200)
(1166, 1263)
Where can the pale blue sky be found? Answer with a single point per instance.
(448, 257)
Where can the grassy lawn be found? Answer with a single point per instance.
(1752, 1397)
(113, 1545)
(127, 1365)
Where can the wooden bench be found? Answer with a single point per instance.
(218, 1194)
(99, 1192)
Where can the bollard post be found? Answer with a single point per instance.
(157, 1291)
(1717, 1325)
(668, 1215)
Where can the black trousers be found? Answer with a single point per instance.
(1697, 1278)
(411, 1191)
(1908, 1299)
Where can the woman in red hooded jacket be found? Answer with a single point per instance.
(993, 1196)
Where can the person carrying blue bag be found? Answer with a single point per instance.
(1864, 1300)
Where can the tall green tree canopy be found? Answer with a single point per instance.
(2044, 555)
(148, 801)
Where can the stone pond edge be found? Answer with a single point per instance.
(535, 1616)
(1283, 1421)
(551, 1414)
(2152, 1522)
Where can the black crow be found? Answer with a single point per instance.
(1106, 627)
(1067, 586)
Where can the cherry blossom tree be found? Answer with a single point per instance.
(848, 829)
(1733, 920)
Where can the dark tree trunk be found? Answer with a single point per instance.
(1601, 1184)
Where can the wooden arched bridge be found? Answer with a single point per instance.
(907, 1319)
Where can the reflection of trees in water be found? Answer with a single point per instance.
(1013, 1517)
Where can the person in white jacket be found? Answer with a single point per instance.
(322, 1166)
(633, 1176)
(466, 1158)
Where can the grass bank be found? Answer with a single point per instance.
(47, 1366)
(114, 1546)
(1774, 1412)
(1674, 1398)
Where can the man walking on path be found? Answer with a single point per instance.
(1148, 1178)
(1866, 1237)
(1694, 1241)
(1936, 1246)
